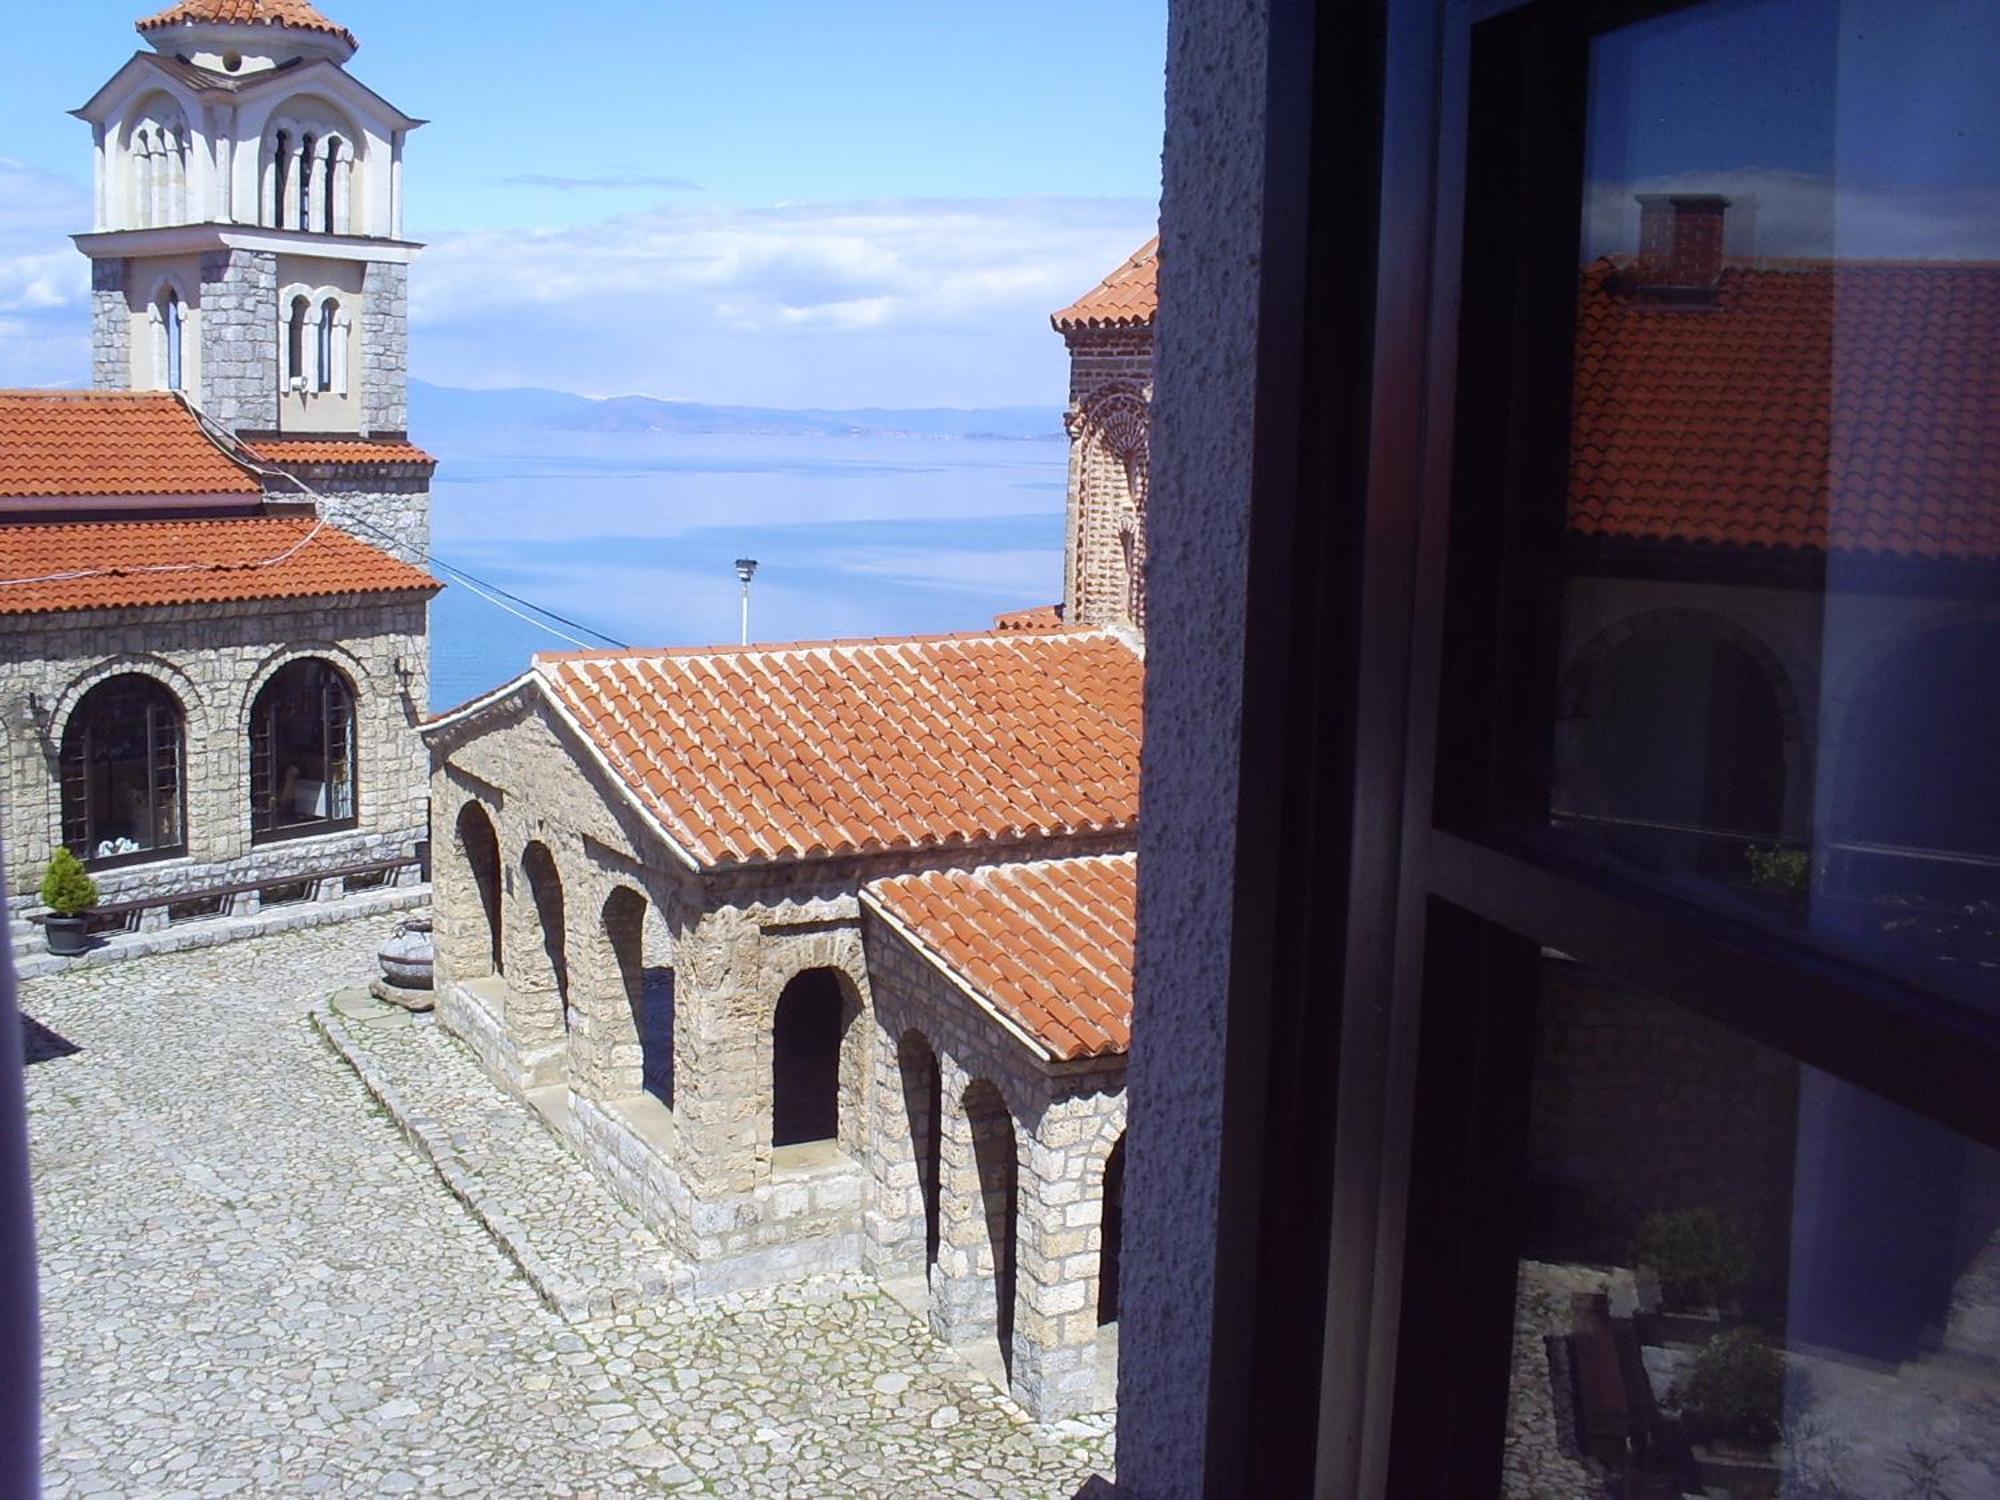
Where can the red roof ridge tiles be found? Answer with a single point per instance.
(299, 15)
(1128, 298)
(1044, 946)
(781, 648)
(296, 450)
(753, 754)
(60, 444)
(78, 565)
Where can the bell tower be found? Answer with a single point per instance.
(248, 246)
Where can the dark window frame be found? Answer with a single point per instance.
(80, 728)
(264, 825)
(1427, 234)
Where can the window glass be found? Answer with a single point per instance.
(1740, 1276)
(302, 751)
(1781, 552)
(121, 773)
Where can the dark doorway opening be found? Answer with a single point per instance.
(805, 1060)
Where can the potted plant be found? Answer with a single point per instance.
(1703, 1261)
(68, 892)
(1733, 1405)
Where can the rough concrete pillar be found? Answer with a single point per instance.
(606, 990)
(534, 930)
(722, 1055)
(972, 1287)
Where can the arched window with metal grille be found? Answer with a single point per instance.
(302, 753)
(120, 766)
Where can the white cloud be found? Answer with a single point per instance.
(44, 281)
(1786, 214)
(917, 302)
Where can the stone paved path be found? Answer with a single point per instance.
(253, 1285)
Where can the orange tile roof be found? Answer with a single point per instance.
(337, 451)
(129, 564)
(1811, 406)
(74, 443)
(297, 14)
(1127, 298)
(1047, 944)
(1042, 617)
(801, 751)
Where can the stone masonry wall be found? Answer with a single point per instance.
(110, 326)
(1066, 1120)
(1111, 387)
(239, 339)
(385, 348)
(392, 506)
(215, 659)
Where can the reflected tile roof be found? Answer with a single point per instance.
(749, 755)
(89, 443)
(1845, 406)
(131, 564)
(1128, 298)
(1047, 944)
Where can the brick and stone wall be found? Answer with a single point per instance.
(215, 659)
(110, 325)
(239, 339)
(1065, 1122)
(385, 348)
(1111, 388)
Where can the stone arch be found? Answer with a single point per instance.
(304, 750)
(121, 772)
(1680, 732)
(307, 165)
(194, 709)
(624, 1014)
(547, 978)
(155, 144)
(997, 1172)
(923, 1107)
(478, 847)
(815, 1015)
(349, 665)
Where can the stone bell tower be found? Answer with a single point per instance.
(248, 247)
(248, 250)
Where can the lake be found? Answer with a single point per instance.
(636, 534)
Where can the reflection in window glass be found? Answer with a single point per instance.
(1741, 1277)
(302, 751)
(1781, 597)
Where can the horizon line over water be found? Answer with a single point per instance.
(636, 534)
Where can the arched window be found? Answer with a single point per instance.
(333, 223)
(121, 773)
(168, 312)
(295, 343)
(329, 311)
(282, 167)
(805, 1060)
(302, 762)
(305, 183)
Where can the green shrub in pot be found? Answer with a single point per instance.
(67, 889)
(1701, 1256)
(1736, 1390)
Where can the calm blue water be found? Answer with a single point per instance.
(637, 534)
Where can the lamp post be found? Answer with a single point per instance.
(746, 569)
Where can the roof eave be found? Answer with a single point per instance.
(1035, 1044)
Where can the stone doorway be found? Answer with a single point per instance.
(805, 1060)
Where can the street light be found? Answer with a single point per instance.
(746, 569)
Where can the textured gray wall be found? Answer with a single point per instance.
(239, 339)
(385, 348)
(110, 326)
(1196, 578)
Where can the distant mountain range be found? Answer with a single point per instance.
(437, 409)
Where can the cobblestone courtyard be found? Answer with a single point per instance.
(253, 1284)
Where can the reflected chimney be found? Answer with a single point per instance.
(1680, 239)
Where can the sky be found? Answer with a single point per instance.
(765, 202)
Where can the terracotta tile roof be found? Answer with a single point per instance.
(66, 443)
(1127, 298)
(126, 564)
(336, 451)
(1845, 406)
(802, 751)
(1047, 944)
(1042, 617)
(297, 14)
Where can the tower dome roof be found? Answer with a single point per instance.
(291, 15)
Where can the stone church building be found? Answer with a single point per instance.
(821, 953)
(213, 640)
